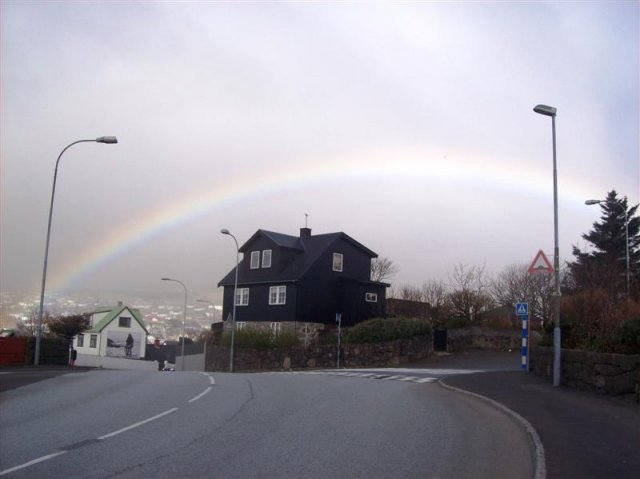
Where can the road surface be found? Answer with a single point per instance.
(132, 424)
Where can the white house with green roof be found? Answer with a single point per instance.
(116, 332)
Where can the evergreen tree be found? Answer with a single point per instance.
(606, 265)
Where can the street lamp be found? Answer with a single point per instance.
(626, 232)
(102, 139)
(225, 231)
(213, 307)
(184, 316)
(551, 111)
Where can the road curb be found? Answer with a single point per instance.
(540, 471)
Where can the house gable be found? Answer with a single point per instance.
(106, 319)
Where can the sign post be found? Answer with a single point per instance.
(339, 321)
(522, 310)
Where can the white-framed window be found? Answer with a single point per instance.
(255, 260)
(80, 341)
(337, 261)
(242, 297)
(277, 295)
(93, 341)
(124, 322)
(371, 298)
(275, 328)
(266, 258)
(240, 325)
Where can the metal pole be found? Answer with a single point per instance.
(184, 316)
(556, 265)
(110, 139)
(339, 321)
(626, 226)
(184, 319)
(235, 291)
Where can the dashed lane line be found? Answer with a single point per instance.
(66, 449)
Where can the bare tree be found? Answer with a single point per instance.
(435, 293)
(514, 284)
(407, 292)
(383, 268)
(29, 326)
(470, 295)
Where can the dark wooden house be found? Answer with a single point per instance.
(305, 279)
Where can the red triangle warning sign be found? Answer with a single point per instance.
(540, 264)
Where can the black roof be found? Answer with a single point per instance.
(309, 247)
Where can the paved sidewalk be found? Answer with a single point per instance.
(585, 435)
(12, 377)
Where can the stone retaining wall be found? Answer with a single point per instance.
(392, 353)
(489, 339)
(611, 374)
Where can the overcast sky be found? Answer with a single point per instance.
(407, 126)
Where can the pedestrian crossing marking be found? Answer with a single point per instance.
(380, 377)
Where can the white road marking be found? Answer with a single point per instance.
(366, 375)
(137, 424)
(31, 463)
(201, 394)
(212, 381)
(111, 434)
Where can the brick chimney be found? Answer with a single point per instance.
(305, 233)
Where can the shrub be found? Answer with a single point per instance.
(592, 320)
(629, 336)
(380, 330)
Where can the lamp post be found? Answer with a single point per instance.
(184, 316)
(626, 233)
(225, 231)
(102, 139)
(213, 307)
(551, 111)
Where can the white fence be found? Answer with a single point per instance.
(108, 362)
(190, 362)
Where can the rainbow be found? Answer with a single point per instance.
(406, 166)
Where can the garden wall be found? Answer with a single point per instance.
(611, 374)
(461, 339)
(391, 353)
(20, 351)
(13, 351)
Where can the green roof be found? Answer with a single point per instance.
(113, 314)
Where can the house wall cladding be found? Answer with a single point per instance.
(611, 374)
(391, 353)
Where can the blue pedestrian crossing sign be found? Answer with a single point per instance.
(522, 309)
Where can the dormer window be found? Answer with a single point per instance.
(255, 260)
(124, 322)
(266, 258)
(337, 262)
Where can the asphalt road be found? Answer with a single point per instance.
(129, 424)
